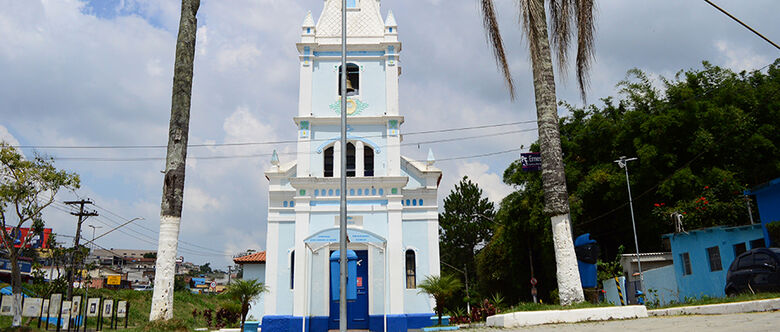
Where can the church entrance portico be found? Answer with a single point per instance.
(357, 310)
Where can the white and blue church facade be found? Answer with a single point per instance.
(391, 200)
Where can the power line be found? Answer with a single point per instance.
(743, 24)
(212, 145)
(258, 155)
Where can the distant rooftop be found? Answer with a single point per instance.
(258, 257)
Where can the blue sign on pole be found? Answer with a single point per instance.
(531, 161)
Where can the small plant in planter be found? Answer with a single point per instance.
(441, 288)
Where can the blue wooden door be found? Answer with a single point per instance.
(357, 310)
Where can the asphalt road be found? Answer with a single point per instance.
(764, 321)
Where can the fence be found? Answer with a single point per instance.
(71, 315)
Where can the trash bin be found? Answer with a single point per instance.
(587, 251)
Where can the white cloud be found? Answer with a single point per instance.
(6, 136)
(490, 182)
(740, 58)
(199, 201)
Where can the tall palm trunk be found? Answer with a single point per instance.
(553, 175)
(173, 184)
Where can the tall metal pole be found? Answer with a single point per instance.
(623, 163)
(343, 174)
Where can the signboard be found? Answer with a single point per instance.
(114, 280)
(32, 307)
(65, 312)
(45, 308)
(108, 307)
(533, 281)
(36, 240)
(531, 161)
(76, 305)
(5, 307)
(121, 309)
(55, 304)
(351, 220)
(24, 266)
(355, 236)
(213, 284)
(92, 307)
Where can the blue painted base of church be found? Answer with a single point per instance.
(395, 323)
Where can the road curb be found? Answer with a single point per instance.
(529, 318)
(720, 309)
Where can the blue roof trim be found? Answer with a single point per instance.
(335, 202)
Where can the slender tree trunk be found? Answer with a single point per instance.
(16, 287)
(173, 185)
(244, 311)
(553, 175)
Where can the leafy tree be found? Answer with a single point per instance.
(701, 139)
(441, 288)
(206, 269)
(26, 188)
(465, 225)
(150, 255)
(567, 17)
(245, 291)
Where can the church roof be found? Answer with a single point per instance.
(363, 22)
(390, 20)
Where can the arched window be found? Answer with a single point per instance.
(353, 76)
(350, 160)
(328, 164)
(411, 270)
(368, 161)
(292, 269)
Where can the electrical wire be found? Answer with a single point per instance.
(258, 155)
(215, 145)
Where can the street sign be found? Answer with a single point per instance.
(533, 281)
(213, 284)
(114, 280)
(531, 161)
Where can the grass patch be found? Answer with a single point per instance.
(704, 300)
(140, 306)
(541, 307)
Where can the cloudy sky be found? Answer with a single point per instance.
(98, 73)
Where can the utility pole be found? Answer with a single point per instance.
(175, 163)
(343, 180)
(623, 163)
(83, 215)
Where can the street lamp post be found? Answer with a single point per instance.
(343, 174)
(92, 243)
(465, 272)
(623, 163)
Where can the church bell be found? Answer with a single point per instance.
(350, 89)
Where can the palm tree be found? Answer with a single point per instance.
(441, 288)
(566, 17)
(245, 291)
(175, 164)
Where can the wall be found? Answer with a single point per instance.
(660, 285)
(372, 86)
(257, 272)
(415, 235)
(767, 199)
(702, 281)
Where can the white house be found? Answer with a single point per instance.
(253, 266)
(391, 200)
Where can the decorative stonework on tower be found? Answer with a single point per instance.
(391, 200)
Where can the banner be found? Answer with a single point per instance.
(108, 307)
(55, 305)
(76, 305)
(32, 307)
(65, 312)
(114, 280)
(121, 309)
(7, 303)
(92, 307)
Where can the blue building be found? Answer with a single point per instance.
(702, 257)
(768, 201)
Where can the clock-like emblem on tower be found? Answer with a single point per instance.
(354, 106)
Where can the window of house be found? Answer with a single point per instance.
(713, 253)
(686, 262)
(352, 3)
(757, 243)
(292, 269)
(350, 160)
(739, 248)
(368, 161)
(411, 270)
(328, 163)
(353, 76)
